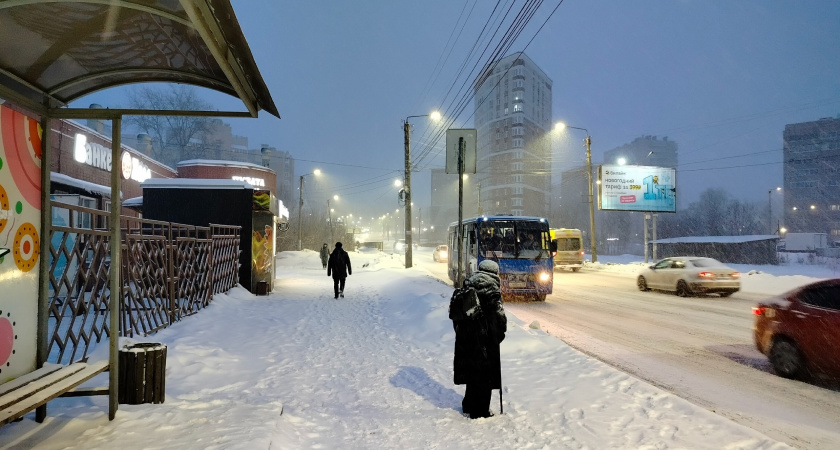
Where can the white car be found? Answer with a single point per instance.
(690, 275)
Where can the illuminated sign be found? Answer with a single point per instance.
(250, 180)
(99, 156)
(637, 188)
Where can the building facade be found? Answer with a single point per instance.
(512, 118)
(812, 177)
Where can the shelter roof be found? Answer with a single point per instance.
(54, 52)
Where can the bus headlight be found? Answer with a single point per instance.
(545, 277)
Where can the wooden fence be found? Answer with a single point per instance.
(169, 271)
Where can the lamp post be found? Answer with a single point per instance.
(329, 213)
(407, 184)
(561, 126)
(300, 207)
(770, 208)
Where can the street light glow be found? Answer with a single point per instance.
(435, 115)
(317, 171)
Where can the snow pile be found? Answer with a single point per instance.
(297, 369)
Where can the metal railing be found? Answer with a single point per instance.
(169, 271)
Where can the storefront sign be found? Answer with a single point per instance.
(99, 156)
(256, 182)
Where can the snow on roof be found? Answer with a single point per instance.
(216, 162)
(195, 183)
(93, 188)
(133, 202)
(717, 239)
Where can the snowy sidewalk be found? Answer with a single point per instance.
(298, 369)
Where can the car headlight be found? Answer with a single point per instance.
(544, 277)
(443, 254)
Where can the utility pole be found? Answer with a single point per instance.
(407, 187)
(591, 200)
(300, 209)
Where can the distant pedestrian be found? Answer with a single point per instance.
(325, 255)
(480, 324)
(339, 268)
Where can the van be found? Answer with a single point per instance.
(569, 244)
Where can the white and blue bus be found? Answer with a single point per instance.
(520, 245)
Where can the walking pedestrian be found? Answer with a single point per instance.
(480, 325)
(339, 268)
(325, 255)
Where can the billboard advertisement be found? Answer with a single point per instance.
(637, 188)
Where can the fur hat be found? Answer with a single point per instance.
(489, 267)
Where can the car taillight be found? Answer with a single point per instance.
(708, 275)
(581, 253)
(759, 310)
(735, 275)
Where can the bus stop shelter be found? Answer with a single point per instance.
(55, 52)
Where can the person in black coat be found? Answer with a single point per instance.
(339, 267)
(478, 332)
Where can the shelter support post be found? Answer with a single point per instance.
(42, 332)
(116, 264)
(460, 212)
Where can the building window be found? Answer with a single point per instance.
(516, 201)
(517, 190)
(518, 166)
(517, 142)
(516, 108)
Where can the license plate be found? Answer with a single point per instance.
(516, 284)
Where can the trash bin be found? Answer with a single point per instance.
(262, 288)
(142, 373)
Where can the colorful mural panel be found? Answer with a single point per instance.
(20, 243)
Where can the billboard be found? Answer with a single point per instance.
(637, 188)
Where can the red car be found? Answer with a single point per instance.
(799, 331)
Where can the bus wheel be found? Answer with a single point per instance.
(539, 297)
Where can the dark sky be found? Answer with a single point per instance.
(721, 78)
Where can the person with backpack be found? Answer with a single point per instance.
(339, 268)
(325, 255)
(480, 324)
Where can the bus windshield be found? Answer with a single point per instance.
(514, 240)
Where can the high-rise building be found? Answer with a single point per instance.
(812, 177)
(512, 118)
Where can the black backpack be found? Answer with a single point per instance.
(464, 304)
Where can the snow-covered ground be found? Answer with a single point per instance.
(298, 369)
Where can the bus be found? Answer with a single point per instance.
(520, 245)
(569, 244)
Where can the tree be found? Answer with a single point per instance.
(171, 135)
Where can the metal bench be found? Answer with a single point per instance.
(35, 389)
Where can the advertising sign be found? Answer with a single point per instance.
(20, 242)
(637, 188)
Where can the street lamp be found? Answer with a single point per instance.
(407, 184)
(329, 213)
(770, 208)
(300, 206)
(560, 126)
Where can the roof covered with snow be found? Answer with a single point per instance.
(221, 163)
(87, 186)
(194, 183)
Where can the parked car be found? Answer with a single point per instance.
(441, 253)
(690, 275)
(799, 330)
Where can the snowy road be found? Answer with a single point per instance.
(700, 349)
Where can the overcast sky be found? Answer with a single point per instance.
(720, 78)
